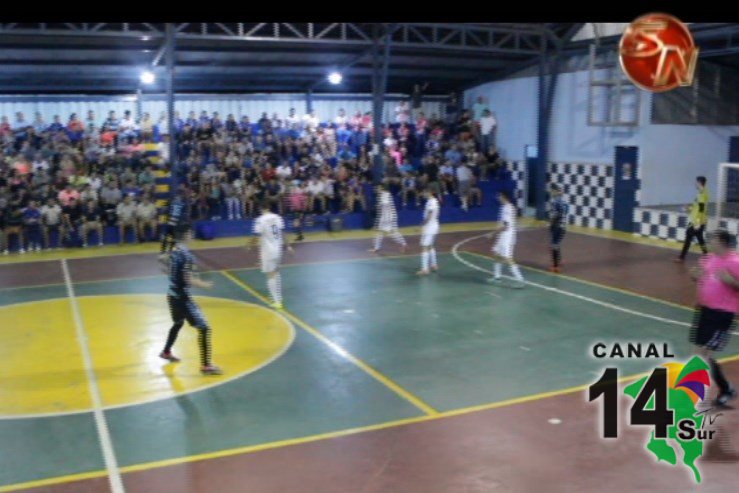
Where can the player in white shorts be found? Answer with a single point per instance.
(503, 248)
(387, 220)
(268, 228)
(429, 230)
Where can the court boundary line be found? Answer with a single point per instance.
(592, 300)
(5, 417)
(605, 304)
(237, 269)
(322, 262)
(534, 225)
(146, 466)
(341, 351)
(255, 448)
(101, 424)
(346, 235)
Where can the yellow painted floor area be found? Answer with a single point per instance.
(43, 366)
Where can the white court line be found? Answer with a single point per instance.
(455, 252)
(106, 443)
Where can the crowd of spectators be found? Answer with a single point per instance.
(65, 180)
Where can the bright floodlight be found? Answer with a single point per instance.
(147, 77)
(335, 78)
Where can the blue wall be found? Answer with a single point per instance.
(670, 155)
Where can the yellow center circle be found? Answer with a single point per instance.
(44, 369)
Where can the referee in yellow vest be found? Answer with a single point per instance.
(698, 216)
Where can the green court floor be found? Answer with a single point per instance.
(447, 341)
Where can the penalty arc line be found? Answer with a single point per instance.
(106, 443)
(455, 253)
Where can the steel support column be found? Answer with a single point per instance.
(169, 48)
(379, 84)
(546, 102)
(309, 101)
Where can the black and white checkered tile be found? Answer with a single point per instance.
(518, 174)
(671, 225)
(588, 188)
(664, 225)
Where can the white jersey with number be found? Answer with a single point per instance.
(269, 227)
(431, 216)
(506, 239)
(431, 228)
(387, 218)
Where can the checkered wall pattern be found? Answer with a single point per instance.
(587, 188)
(670, 225)
(518, 175)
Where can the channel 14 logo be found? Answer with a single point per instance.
(666, 399)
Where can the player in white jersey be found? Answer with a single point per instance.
(269, 230)
(503, 248)
(387, 220)
(429, 230)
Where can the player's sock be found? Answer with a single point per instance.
(554, 257)
(718, 376)
(378, 241)
(278, 288)
(432, 255)
(172, 337)
(425, 260)
(204, 343)
(498, 269)
(272, 287)
(398, 238)
(516, 272)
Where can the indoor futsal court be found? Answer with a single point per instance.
(380, 384)
(408, 257)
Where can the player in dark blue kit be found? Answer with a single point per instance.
(178, 216)
(182, 307)
(557, 223)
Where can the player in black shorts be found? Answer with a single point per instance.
(178, 216)
(557, 223)
(181, 305)
(718, 303)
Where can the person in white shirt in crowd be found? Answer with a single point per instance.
(87, 194)
(39, 163)
(126, 212)
(292, 119)
(51, 220)
(146, 215)
(128, 125)
(39, 124)
(464, 183)
(402, 112)
(328, 191)
(20, 122)
(311, 121)
(163, 146)
(488, 128)
(284, 171)
(316, 192)
(340, 119)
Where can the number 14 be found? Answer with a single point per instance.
(658, 415)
